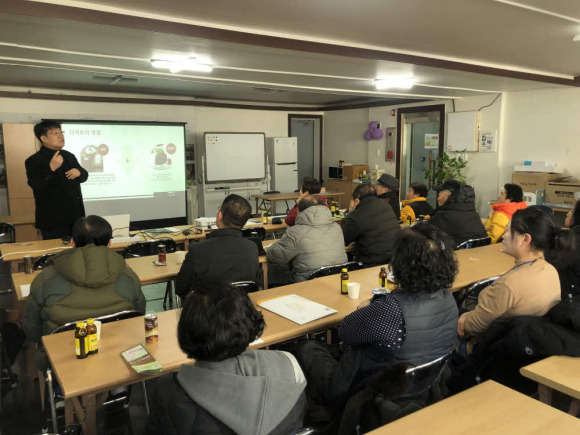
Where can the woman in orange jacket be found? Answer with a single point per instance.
(510, 200)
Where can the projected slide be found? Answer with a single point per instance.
(133, 168)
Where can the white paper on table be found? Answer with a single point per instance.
(25, 290)
(297, 309)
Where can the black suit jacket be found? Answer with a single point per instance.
(59, 201)
(224, 256)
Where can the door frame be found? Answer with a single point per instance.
(429, 108)
(292, 116)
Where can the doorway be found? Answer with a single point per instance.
(308, 131)
(420, 139)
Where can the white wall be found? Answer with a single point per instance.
(542, 125)
(343, 138)
(348, 126)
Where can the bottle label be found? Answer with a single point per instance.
(77, 346)
(344, 286)
(93, 343)
(383, 282)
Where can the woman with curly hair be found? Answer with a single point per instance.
(229, 389)
(414, 324)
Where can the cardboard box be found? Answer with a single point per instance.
(535, 198)
(532, 181)
(351, 172)
(562, 193)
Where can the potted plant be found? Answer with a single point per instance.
(446, 168)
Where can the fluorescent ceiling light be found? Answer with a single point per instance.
(406, 82)
(539, 10)
(176, 65)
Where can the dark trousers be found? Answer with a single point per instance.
(56, 233)
(318, 365)
(13, 339)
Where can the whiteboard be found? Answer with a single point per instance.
(235, 156)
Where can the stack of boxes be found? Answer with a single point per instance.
(534, 185)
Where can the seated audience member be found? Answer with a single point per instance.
(225, 255)
(456, 213)
(89, 280)
(510, 200)
(310, 186)
(415, 324)
(531, 287)
(230, 389)
(569, 267)
(416, 203)
(372, 224)
(315, 241)
(388, 190)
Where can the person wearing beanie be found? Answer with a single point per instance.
(388, 190)
(455, 213)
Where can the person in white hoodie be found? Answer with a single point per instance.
(314, 241)
(229, 389)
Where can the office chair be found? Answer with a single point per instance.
(7, 233)
(259, 232)
(150, 247)
(335, 269)
(40, 262)
(470, 294)
(248, 286)
(372, 404)
(474, 243)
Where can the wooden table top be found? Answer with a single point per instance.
(107, 369)
(474, 265)
(37, 248)
(489, 408)
(324, 290)
(562, 373)
(290, 195)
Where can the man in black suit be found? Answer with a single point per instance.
(55, 176)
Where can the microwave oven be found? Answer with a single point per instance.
(335, 172)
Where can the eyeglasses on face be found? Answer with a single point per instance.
(56, 133)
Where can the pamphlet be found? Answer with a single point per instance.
(297, 309)
(25, 290)
(141, 361)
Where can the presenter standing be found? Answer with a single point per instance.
(55, 176)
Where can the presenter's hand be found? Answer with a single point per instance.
(72, 173)
(56, 161)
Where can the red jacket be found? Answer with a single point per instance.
(293, 213)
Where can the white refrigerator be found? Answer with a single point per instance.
(284, 161)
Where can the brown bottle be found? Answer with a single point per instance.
(344, 281)
(81, 341)
(383, 278)
(93, 338)
(333, 208)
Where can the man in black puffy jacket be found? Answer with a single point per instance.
(456, 213)
(225, 255)
(372, 224)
